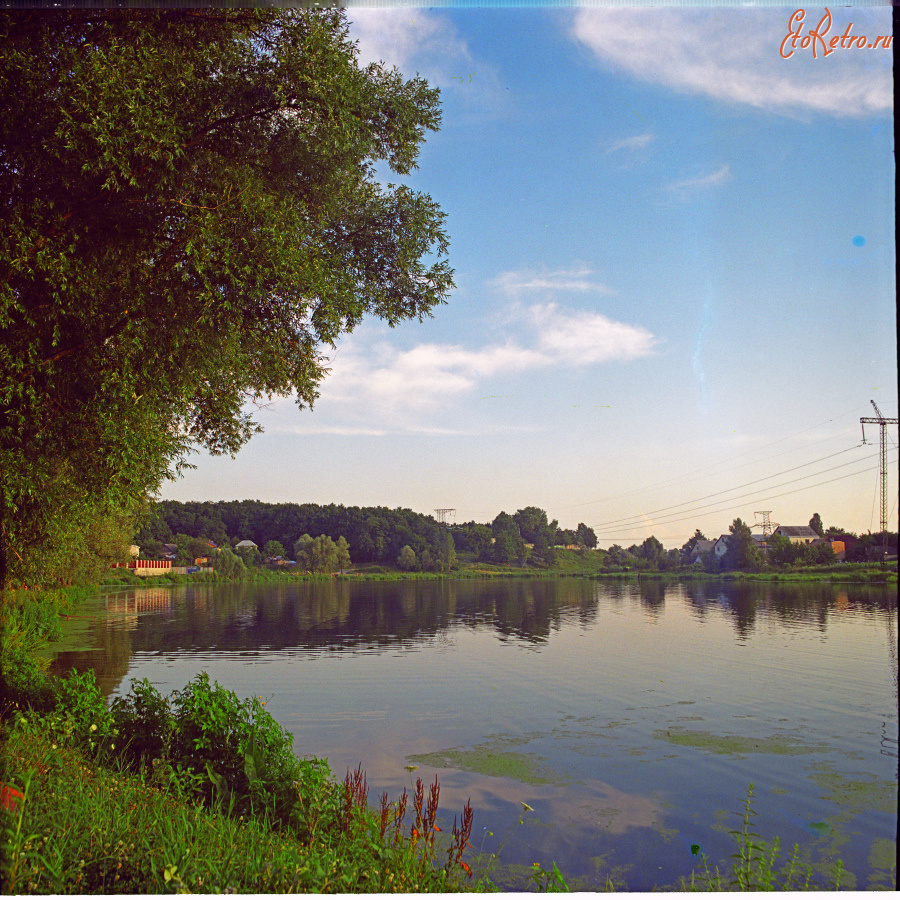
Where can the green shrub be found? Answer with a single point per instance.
(81, 719)
(144, 723)
(234, 752)
(24, 684)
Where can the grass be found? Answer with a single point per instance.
(755, 864)
(202, 793)
(88, 828)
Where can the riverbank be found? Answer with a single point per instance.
(201, 821)
(851, 573)
(199, 792)
(81, 820)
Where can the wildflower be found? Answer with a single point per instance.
(93, 727)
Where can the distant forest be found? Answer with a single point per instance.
(375, 534)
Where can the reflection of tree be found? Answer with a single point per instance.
(111, 652)
(791, 604)
(653, 594)
(347, 614)
(342, 614)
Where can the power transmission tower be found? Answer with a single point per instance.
(883, 422)
(766, 524)
(442, 516)
(443, 551)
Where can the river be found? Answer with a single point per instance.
(630, 717)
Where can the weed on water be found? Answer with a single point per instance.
(754, 865)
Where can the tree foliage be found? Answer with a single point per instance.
(742, 551)
(508, 544)
(586, 536)
(191, 218)
(407, 559)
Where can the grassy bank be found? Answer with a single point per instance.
(83, 827)
(202, 792)
(847, 573)
(198, 792)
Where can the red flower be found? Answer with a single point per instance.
(10, 797)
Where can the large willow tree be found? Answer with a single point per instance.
(191, 215)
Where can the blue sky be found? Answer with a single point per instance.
(674, 256)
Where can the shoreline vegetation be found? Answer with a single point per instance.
(850, 573)
(138, 796)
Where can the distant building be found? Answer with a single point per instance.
(245, 545)
(150, 566)
(701, 547)
(797, 534)
(721, 545)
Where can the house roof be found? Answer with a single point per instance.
(244, 544)
(796, 531)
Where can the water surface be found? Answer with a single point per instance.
(631, 717)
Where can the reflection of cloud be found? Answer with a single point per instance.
(515, 283)
(733, 55)
(700, 182)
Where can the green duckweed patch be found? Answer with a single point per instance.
(854, 794)
(732, 744)
(493, 759)
(883, 862)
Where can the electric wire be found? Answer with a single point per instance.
(697, 472)
(808, 487)
(738, 487)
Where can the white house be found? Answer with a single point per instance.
(797, 534)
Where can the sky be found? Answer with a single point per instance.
(673, 241)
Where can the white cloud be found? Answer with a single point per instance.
(733, 55)
(423, 42)
(390, 382)
(374, 388)
(701, 182)
(577, 279)
(635, 142)
(404, 37)
(584, 338)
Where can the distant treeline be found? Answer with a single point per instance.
(375, 534)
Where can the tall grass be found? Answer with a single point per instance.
(87, 828)
(755, 864)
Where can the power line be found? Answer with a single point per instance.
(653, 512)
(731, 507)
(696, 472)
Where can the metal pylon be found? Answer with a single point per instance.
(883, 422)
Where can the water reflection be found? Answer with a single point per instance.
(347, 616)
(637, 712)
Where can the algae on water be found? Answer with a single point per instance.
(493, 759)
(734, 745)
